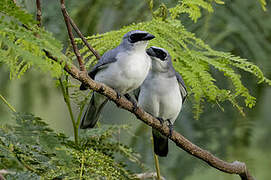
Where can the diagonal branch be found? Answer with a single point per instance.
(235, 167)
(74, 46)
(95, 53)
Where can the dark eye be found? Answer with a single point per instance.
(136, 37)
(161, 54)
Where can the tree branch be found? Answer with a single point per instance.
(95, 53)
(38, 12)
(74, 46)
(235, 167)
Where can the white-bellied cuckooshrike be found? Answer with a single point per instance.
(123, 68)
(162, 94)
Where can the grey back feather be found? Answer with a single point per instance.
(181, 85)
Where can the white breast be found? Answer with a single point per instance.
(127, 73)
(161, 97)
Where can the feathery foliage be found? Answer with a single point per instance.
(22, 42)
(21, 47)
(33, 150)
(247, 35)
(191, 57)
(263, 4)
(192, 8)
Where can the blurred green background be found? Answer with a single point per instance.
(239, 27)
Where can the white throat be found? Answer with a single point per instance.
(140, 46)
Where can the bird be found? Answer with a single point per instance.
(123, 68)
(162, 95)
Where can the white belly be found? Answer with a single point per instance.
(126, 74)
(161, 98)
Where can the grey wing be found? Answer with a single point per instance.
(107, 58)
(136, 93)
(181, 85)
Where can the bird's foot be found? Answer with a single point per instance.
(101, 89)
(118, 95)
(161, 120)
(170, 126)
(132, 100)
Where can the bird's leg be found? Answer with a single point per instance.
(170, 126)
(161, 120)
(132, 100)
(118, 95)
(101, 89)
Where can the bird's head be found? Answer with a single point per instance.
(161, 60)
(137, 39)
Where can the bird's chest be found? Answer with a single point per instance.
(161, 97)
(134, 66)
(127, 73)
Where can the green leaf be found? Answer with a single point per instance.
(22, 43)
(263, 4)
(192, 58)
(32, 150)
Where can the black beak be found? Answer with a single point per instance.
(148, 37)
(151, 52)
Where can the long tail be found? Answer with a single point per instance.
(160, 143)
(93, 111)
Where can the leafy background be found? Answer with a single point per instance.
(239, 27)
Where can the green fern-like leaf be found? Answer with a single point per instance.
(263, 4)
(22, 42)
(34, 151)
(9, 8)
(192, 8)
(192, 58)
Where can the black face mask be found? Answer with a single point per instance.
(140, 37)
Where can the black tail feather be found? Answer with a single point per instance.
(93, 111)
(160, 143)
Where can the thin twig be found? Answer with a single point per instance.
(232, 168)
(156, 161)
(23, 163)
(66, 96)
(95, 53)
(38, 4)
(6, 102)
(79, 115)
(2, 177)
(82, 167)
(157, 166)
(74, 46)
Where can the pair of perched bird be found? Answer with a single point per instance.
(130, 66)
